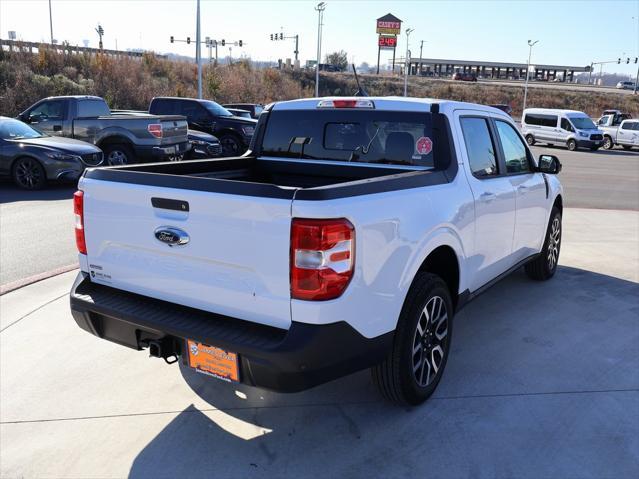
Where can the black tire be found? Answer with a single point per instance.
(232, 145)
(398, 376)
(530, 140)
(545, 265)
(607, 143)
(28, 174)
(571, 144)
(116, 154)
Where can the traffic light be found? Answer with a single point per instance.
(627, 60)
(636, 58)
(188, 40)
(223, 42)
(172, 40)
(281, 36)
(271, 37)
(240, 42)
(619, 60)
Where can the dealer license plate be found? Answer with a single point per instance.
(213, 361)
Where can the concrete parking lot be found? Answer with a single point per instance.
(543, 381)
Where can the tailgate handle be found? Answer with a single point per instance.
(169, 204)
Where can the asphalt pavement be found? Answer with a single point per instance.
(36, 228)
(36, 231)
(542, 382)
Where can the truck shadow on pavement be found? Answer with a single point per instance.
(10, 193)
(540, 378)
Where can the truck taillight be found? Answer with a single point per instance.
(322, 258)
(155, 129)
(346, 104)
(78, 210)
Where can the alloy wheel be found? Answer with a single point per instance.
(607, 143)
(28, 173)
(430, 341)
(230, 147)
(553, 243)
(117, 157)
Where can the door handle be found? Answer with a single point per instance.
(487, 196)
(57, 127)
(522, 188)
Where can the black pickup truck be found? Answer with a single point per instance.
(234, 133)
(123, 138)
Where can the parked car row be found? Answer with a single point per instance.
(58, 137)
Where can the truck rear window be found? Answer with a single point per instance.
(366, 136)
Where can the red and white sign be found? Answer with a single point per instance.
(424, 145)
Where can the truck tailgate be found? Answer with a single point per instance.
(174, 129)
(235, 263)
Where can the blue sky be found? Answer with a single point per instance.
(569, 32)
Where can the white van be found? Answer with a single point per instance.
(572, 128)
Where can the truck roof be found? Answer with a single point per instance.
(77, 97)
(553, 110)
(387, 103)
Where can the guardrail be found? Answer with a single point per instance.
(65, 48)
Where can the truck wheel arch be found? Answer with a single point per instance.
(443, 262)
(559, 203)
(113, 139)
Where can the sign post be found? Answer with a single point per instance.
(388, 27)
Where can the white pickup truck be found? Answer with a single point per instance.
(619, 129)
(346, 238)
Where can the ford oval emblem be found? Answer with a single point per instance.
(171, 236)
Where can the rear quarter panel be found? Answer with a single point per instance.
(394, 233)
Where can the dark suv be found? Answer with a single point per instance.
(233, 132)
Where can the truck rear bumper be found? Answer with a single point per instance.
(281, 360)
(159, 153)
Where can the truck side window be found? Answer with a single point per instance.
(627, 125)
(515, 153)
(565, 125)
(92, 109)
(48, 110)
(480, 147)
(194, 112)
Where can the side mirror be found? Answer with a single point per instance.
(549, 164)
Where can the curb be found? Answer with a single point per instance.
(7, 288)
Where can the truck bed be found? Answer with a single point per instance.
(277, 178)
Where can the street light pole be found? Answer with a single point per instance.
(198, 53)
(407, 61)
(320, 14)
(421, 48)
(51, 22)
(637, 77)
(530, 45)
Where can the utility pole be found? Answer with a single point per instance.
(320, 14)
(198, 53)
(407, 61)
(530, 45)
(51, 22)
(421, 48)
